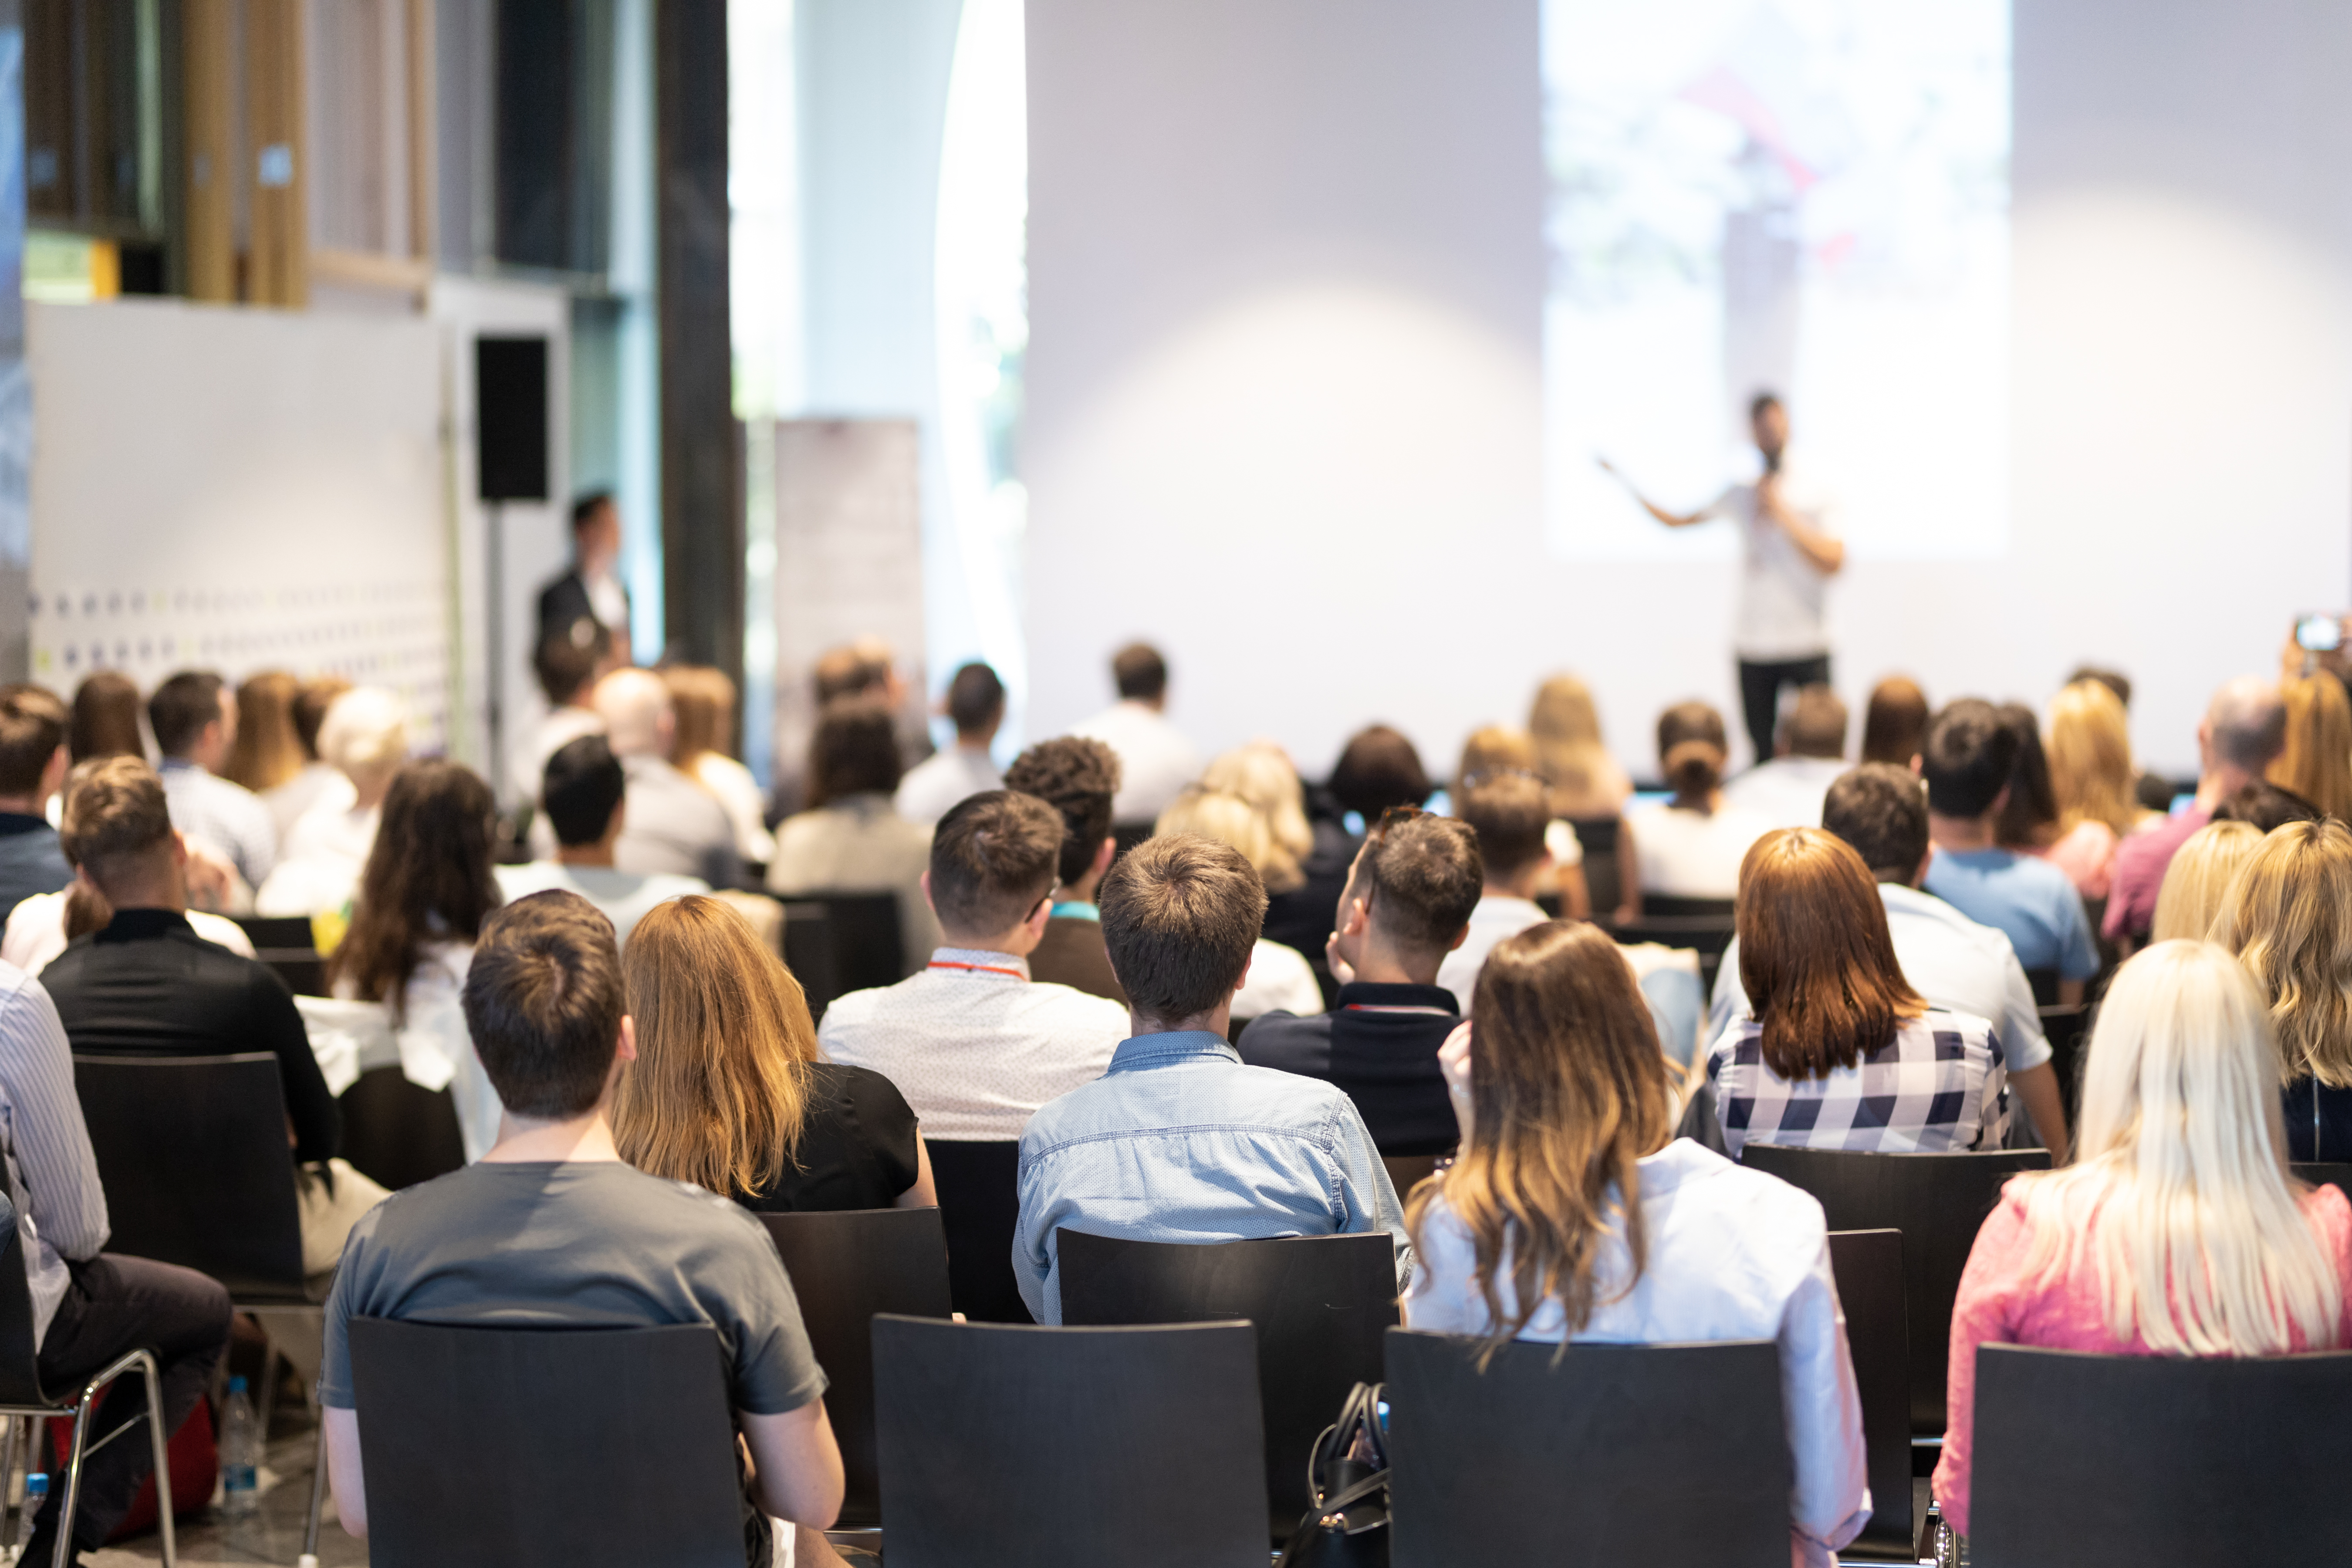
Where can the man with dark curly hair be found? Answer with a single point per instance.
(1078, 778)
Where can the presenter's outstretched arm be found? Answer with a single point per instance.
(1671, 519)
(1825, 552)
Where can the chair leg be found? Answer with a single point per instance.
(309, 1558)
(263, 1399)
(162, 1442)
(63, 1556)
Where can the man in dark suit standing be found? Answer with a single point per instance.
(591, 590)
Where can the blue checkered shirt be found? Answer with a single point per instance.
(1939, 1086)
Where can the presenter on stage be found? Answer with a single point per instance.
(1791, 551)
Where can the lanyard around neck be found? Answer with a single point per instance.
(976, 968)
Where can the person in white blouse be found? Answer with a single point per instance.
(1155, 760)
(933, 786)
(1691, 846)
(364, 737)
(1727, 1253)
(702, 747)
(1279, 978)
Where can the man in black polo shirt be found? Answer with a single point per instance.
(1406, 906)
(148, 985)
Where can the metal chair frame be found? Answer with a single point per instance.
(80, 1409)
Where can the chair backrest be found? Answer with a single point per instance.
(2067, 1025)
(2338, 1176)
(1938, 1201)
(1322, 1306)
(191, 1151)
(808, 953)
(546, 1448)
(20, 1379)
(846, 1265)
(1673, 907)
(1670, 1455)
(1707, 935)
(398, 1133)
(1034, 1447)
(868, 949)
(1869, 1268)
(2044, 983)
(979, 1187)
(2107, 1461)
(286, 944)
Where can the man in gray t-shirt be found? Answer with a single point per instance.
(552, 1229)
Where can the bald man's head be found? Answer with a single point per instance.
(634, 706)
(2245, 726)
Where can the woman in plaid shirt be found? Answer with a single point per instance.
(1838, 1051)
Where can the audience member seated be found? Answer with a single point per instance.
(428, 887)
(850, 840)
(317, 779)
(1497, 750)
(193, 715)
(40, 926)
(1155, 760)
(267, 754)
(2265, 806)
(1809, 752)
(2091, 776)
(1261, 775)
(1179, 1141)
(971, 1039)
(2199, 879)
(1691, 846)
(728, 1090)
(365, 739)
(1955, 964)
(33, 762)
(1572, 1212)
(105, 721)
(1971, 763)
(1378, 769)
(1589, 791)
(1408, 904)
(1309, 828)
(2028, 822)
(1078, 778)
(147, 985)
(1838, 1050)
(585, 796)
(675, 826)
(975, 705)
(1279, 979)
(2178, 1230)
(2316, 761)
(2288, 917)
(568, 663)
(704, 701)
(89, 1306)
(1509, 814)
(2242, 732)
(1894, 723)
(2153, 793)
(552, 1229)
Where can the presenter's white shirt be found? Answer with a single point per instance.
(1783, 611)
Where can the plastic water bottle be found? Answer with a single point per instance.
(240, 1453)
(36, 1492)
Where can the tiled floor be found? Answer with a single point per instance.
(273, 1535)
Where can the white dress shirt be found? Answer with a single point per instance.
(317, 783)
(1496, 916)
(1950, 959)
(1787, 792)
(973, 1043)
(1155, 762)
(1690, 854)
(624, 897)
(1732, 1255)
(1279, 978)
(1783, 610)
(936, 785)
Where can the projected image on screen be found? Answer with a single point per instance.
(1808, 196)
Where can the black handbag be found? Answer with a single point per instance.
(1348, 1477)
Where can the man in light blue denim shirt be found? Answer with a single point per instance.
(1179, 1141)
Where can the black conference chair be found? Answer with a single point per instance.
(979, 1187)
(2090, 1461)
(1669, 1455)
(1321, 1305)
(808, 953)
(21, 1394)
(1037, 1447)
(2339, 1176)
(1407, 1172)
(397, 1134)
(845, 1267)
(868, 950)
(2067, 1026)
(1869, 1268)
(2044, 983)
(544, 1448)
(285, 943)
(1669, 907)
(1603, 878)
(1938, 1201)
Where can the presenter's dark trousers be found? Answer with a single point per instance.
(1759, 693)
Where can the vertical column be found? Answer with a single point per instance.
(702, 517)
(209, 146)
(274, 121)
(16, 389)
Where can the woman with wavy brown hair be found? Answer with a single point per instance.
(728, 1090)
(1572, 1212)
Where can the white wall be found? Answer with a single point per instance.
(1285, 375)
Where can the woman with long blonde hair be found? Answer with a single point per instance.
(2178, 1230)
(1565, 728)
(2091, 782)
(728, 1090)
(1573, 1213)
(702, 747)
(2317, 762)
(2198, 878)
(1261, 774)
(2288, 917)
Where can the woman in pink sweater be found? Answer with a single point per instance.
(2178, 1230)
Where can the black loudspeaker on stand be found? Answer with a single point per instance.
(510, 465)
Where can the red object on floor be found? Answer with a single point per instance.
(195, 1468)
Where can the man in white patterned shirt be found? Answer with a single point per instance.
(973, 1043)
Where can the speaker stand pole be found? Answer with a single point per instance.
(494, 684)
